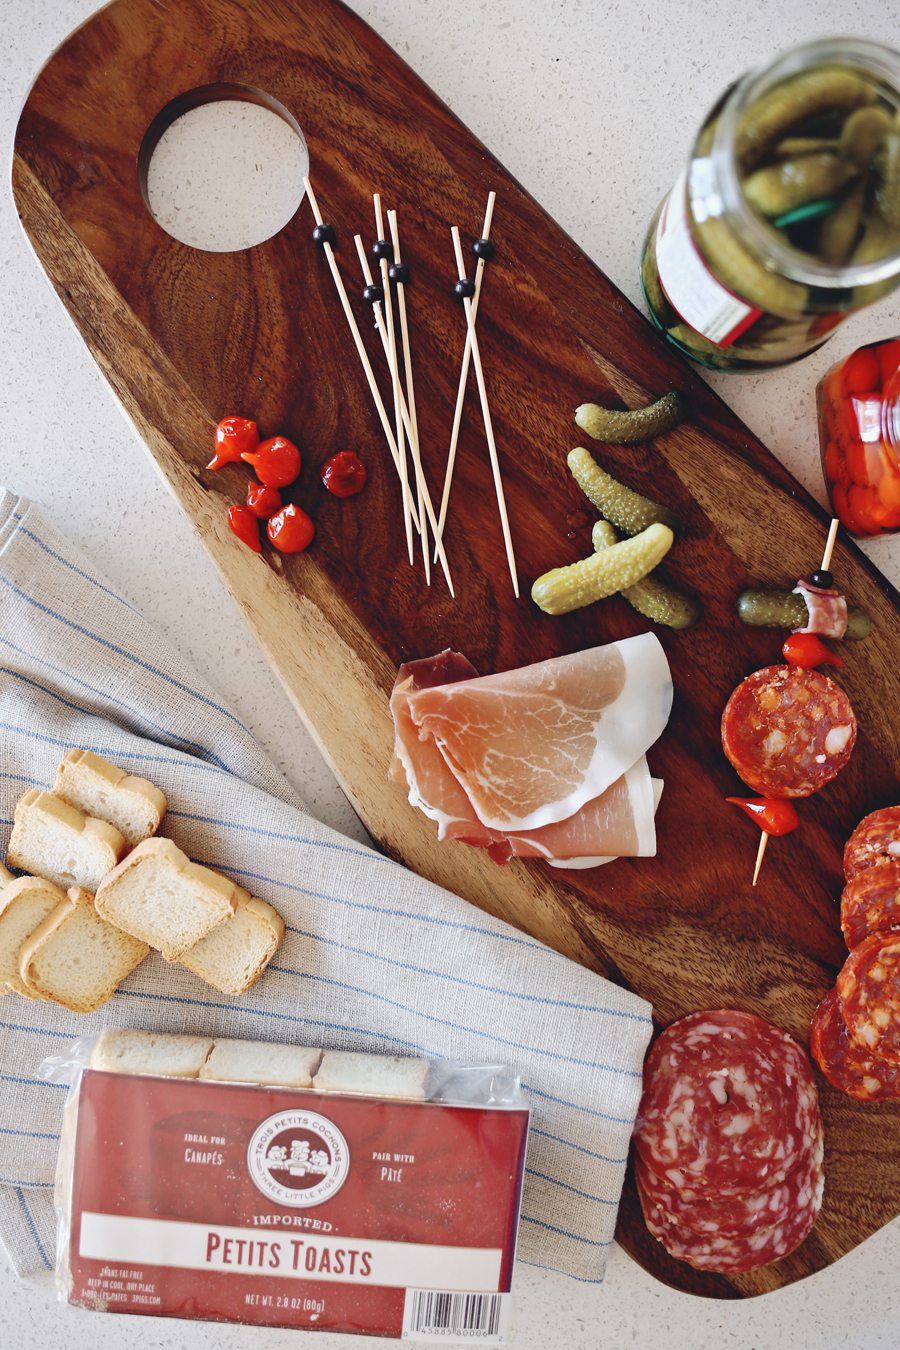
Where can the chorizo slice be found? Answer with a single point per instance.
(848, 1067)
(868, 987)
(870, 903)
(876, 839)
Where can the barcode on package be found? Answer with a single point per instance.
(436, 1315)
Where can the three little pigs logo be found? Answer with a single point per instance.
(298, 1159)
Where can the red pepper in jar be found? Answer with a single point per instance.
(344, 474)
(807, 651)
(263, 501)
(235, 438)
(276, 461)
(859, 432)
(291, 530)
(243, 523)
(773, 815)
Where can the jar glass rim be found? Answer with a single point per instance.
(877, 61)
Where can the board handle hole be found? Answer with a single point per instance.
(221, 167)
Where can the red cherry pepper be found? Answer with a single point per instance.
(235, 437)
(774, 815)
(344, 474)
(291, 530)
(275, 461)
(263, 501)
(243, 523)
(807, 650)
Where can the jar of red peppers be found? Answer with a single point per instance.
(859, 432)
(787, 216)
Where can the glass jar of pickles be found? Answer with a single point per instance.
(787, 218)
(859, 432)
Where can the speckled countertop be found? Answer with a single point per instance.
(592, 106)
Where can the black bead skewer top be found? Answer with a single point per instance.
(484, 249)
(823, 579)
(383, 248)
(464, 289)
(325, 234)
(373, 295)
(398, 273)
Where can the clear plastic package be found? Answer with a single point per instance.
(379, 1197)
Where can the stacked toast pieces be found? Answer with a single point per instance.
(101, 891)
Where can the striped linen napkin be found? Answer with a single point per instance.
(375, 957)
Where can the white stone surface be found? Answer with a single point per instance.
(592, 106)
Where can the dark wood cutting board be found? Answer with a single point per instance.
(185, 336)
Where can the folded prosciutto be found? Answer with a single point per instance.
(547, 761)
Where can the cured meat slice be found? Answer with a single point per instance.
(581, 864)
(788, 731)
(870, 903)
(620, 821)
(729, 1253)
(876, 839)
(868, 987)
(532, 746)
(827, 610)
(849, 1068)
(729, 1105)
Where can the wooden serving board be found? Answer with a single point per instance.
(185, 336)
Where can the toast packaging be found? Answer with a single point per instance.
(287, 1207)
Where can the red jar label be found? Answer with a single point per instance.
(294, 1208)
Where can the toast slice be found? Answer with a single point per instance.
(96, 787)
(150, 1053)
(54, 840)
(377, 1075)
(76, 958)
(236, 953)
(24, 905)
(262, 1062)
(160, 897)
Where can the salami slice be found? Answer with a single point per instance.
(868, 987)
(870, 903)
(726, 1253)
(788, 731)
(737, 1216)
(848, 1067)
(729, 1105)
(876, 839)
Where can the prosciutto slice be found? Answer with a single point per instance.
(531, 746)
(618, 821)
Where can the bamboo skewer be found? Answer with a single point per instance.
(410, 394)
(395, 388)
(464, 372)
(404, 411)
(408, 507)
(486, 415)
(824, 566)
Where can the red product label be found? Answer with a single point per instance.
(294, 1208)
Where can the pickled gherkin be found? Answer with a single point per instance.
(626, 428)
(627, 510)
(787, 609)
(795, 101)
(650, 596)
(566, 588)
(780, 188)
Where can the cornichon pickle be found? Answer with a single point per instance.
(888, 191)
(792, 146)
(838, 231)
(780, 188)
(566, 588)
(861, 135)
(744, 275)
(625, 428)
(794, 101)
(787, 609)
(650, 596)
(629, 511)
(699, 346)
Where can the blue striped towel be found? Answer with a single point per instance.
(375, 958)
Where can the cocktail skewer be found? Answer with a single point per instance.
(486, 253)
(824, 566)
(398, 272)
(324, 235)
(485, 410)
(395, 380)
(375, 301)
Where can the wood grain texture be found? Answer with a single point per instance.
(185, 336)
